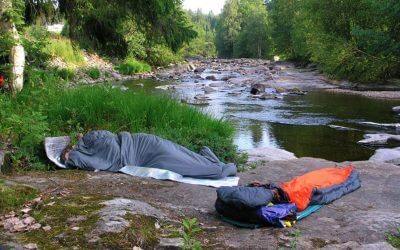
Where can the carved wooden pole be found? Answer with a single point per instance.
(17, 53)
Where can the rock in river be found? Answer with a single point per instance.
(389, 155)
(396, 109)
(212, 78)
(257, 88)
(379, 139)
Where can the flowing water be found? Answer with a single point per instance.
(299, 124)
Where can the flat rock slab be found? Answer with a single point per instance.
(357, 220)
(112, 215)
(269, 154)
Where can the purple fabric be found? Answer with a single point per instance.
(273, 214)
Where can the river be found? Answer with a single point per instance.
(318, 124)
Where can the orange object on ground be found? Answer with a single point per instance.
(299, 189)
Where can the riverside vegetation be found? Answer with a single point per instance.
(356, 40)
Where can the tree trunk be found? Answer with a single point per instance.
(17, 53)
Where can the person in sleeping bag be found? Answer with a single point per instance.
(103, 150)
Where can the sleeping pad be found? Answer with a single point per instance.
(103, 150)
(271, 204)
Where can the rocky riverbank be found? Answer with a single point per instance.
(88, 210)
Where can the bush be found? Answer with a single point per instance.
(132, 66)
(94, 73)
(162, 56)
(35, 40)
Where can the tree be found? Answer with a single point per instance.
(243, 29)
(228, 28)
(98, 23)
(10, 16)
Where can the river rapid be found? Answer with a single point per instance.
(277, 105)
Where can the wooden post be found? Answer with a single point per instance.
(17, 53)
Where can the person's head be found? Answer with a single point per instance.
(65, 153)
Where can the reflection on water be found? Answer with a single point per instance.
(298, 124)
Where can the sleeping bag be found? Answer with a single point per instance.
(269, 204)
(103, 150)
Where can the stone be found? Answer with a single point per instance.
(380, 139)
(112, 216)
(257, 88)
(396, 109)
(388, 155)
(170, 243)
(199, 70)
(267, 96)
(29, 220)
(212, 78)
(208, 90)
(31, 246)
(217, 84)
(76, 219)
(46, 228)
(269, 154)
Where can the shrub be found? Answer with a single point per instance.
(132, 66)
(161, 55)
(94, 73)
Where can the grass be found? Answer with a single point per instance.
(91, 108)
(132, 66)
(13, 196)
(53, 110)
(394, 239)
(63, 48)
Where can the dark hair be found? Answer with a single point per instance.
(64, 152)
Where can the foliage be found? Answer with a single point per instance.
(35, 40)
(66, 74)
(190, 230)
(94, 73)
(132, 66)
(243, 30)
(294, 238)
(63, 48)
(117, 27)
(161, 55)
(357, 40)
(394, 239)
(204, 44)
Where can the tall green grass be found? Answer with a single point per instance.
(63, 48)
(53, 110)
(97, 107)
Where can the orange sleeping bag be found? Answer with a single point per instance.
(300, 189)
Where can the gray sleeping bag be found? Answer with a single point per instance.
(103, 150)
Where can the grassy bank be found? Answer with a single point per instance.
(52, 109)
